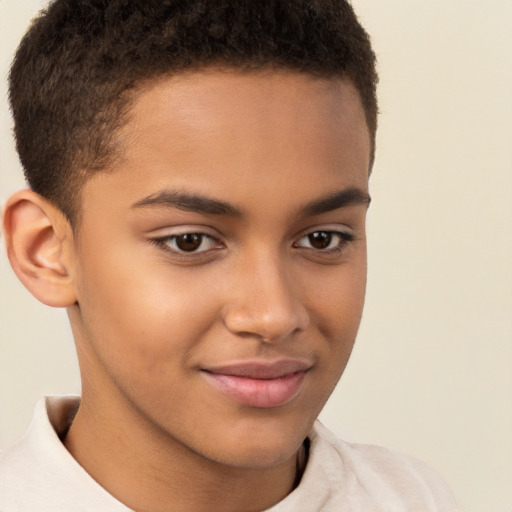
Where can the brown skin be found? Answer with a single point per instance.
(148, 320)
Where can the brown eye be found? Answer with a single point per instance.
(320, 239)
(189, 242)
(191, 247)
(325, 242)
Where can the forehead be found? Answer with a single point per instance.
(229, 101)
(230, 134)
(262, 87)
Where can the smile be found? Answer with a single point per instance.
(260, 385)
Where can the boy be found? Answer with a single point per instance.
(199, 187)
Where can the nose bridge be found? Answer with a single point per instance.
(264, 300)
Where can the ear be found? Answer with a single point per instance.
(39, 241)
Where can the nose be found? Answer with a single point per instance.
(264, 301)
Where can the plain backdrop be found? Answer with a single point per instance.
(432, 370)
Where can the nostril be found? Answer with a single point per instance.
(269, 324)
(262, 298)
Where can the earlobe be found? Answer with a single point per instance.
(38, 238)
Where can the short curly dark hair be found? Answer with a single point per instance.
(77, 70)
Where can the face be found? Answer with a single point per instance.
(220, 267)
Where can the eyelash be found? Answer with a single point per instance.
(168, 243)
(343, 239)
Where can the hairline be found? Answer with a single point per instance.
(125, 102)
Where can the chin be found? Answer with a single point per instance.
(258, 448)
(257, 457)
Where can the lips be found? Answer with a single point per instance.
(259, 384)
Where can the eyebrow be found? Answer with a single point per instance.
(203, 204)
(189, 203)
(346, 197)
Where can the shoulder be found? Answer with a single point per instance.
(25, 466)
(375, 478)
(374, 457)
(38, 474)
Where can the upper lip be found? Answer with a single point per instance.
(261, 369)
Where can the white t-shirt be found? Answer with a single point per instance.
(38, 474)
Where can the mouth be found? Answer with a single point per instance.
(260, 384)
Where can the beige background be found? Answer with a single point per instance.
(432, 370)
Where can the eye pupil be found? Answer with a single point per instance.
(320, 239)
(189, 242)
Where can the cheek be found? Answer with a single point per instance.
(338, 309)
(142, 316)
(338, 298)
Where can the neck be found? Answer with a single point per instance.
(149, 471)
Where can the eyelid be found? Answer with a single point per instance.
(184, 229)
(344, 238)
(342, 230)
(347, 237)
(162, 237)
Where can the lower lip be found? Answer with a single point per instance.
(261, 393)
